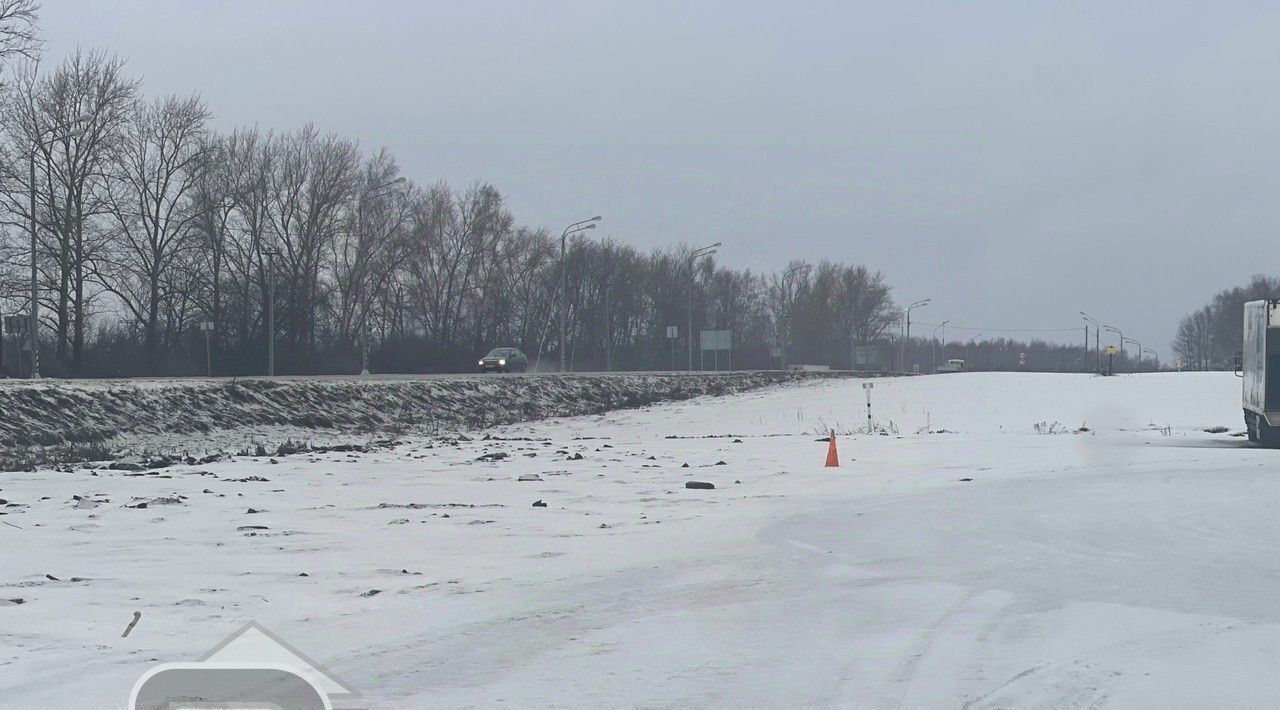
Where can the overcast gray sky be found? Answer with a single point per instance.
(1015, 161)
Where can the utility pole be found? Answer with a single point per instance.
(693, 257)
(574, 228)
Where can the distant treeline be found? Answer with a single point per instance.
(155, 232)
(1210, 337)
(1010, 355)
(151, 225)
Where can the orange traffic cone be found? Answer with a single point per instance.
(833, 458)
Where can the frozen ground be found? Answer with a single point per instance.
(1134, 565)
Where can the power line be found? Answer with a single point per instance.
(1007, 330)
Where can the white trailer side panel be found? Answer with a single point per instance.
(1258, 317)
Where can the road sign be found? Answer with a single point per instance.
(868, 385)
(673, 332)
(866, 356)
(17, 324)
(717, 339)
(1111, 350)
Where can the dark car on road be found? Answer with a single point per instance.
(504, 360)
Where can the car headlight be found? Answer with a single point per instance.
(502, 362)
(480, 363)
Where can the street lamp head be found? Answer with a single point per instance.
(597, 218)
(703, 251)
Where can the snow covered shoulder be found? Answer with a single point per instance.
(1023, 540)
(194, 413)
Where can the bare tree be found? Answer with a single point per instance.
(309, 190)
(155, 171)
(362, 259)
(450, 242)
(88, 95)
(19, 31)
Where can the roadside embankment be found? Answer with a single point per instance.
(52, 413)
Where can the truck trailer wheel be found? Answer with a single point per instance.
(1261, 432)
(1268, 436)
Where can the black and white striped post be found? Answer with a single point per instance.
(866, 387)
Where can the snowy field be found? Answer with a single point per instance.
(990, 554)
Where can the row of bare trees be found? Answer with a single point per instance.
(153, 229)
(1209, 337)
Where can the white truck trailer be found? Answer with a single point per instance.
(1260, 368)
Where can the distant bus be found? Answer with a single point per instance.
(952, 365)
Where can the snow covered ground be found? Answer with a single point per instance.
(1012, 561)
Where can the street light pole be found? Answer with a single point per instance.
(364, 357)
(574, 228)
(1096, 336)
(207, 327)
(1137, 367)
(967, 355)
(38, 142)
(271, 313)
(907, 336)
(1156, 355)
(934, 354)
(1118, 332)
(788, 301)
(694, 256)
(35, 285)
(1084, 350)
